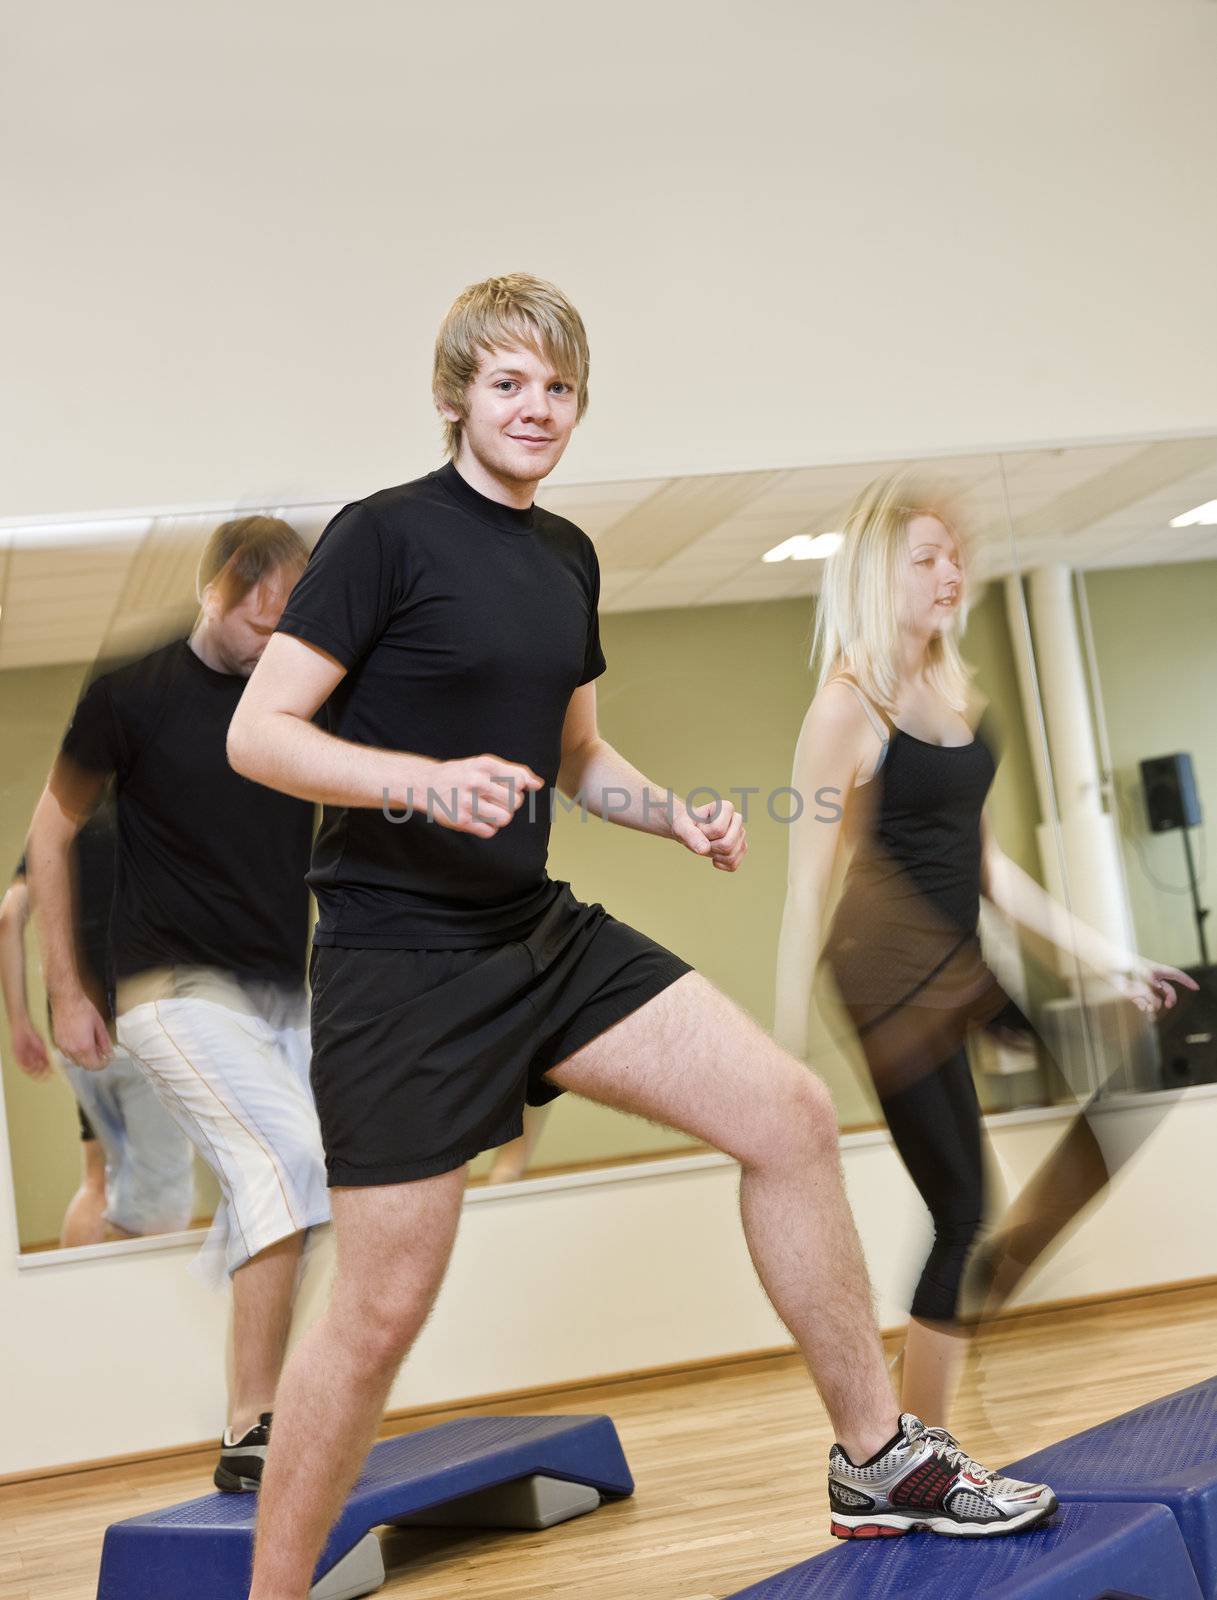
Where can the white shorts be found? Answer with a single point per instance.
(229, 1060)
(149, 1162)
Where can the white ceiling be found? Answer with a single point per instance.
(71, 591)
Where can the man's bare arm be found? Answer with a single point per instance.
(273, 740)
(69, 797)
(600, 777)
(594, 772)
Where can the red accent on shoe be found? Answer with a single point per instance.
(866, 1530)
(925, 1487)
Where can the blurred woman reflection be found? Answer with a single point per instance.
(899, 757)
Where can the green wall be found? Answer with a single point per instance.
(35, 703)
(716, 695)
(1155, 635)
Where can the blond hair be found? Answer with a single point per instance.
(512, 312)
(240, 553)
(857, 628)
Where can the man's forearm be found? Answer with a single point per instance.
(609, 787)
(296, 757)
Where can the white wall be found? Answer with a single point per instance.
(559, 1280)
(798, 231)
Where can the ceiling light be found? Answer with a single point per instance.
(804, 547)
(1198, 516)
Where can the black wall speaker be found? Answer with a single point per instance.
(1171, 800)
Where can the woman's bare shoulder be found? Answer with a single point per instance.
(841, 706)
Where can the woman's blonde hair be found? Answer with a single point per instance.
(857, 628)
(512, 312)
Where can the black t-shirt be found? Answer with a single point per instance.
(465, 627)
(93, 852)
(211, 867)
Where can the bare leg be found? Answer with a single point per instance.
(514, 1159)
(691, 1059)
(84, 1221)
(262, 1294)
(934, 1355)
(393, 1243)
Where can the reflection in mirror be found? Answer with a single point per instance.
(104, 608)
(1114, 603)
(708, 601)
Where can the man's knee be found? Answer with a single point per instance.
(819, 1118)
(801, 1121)
(377, 1329)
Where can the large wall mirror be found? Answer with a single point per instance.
(1091, 638)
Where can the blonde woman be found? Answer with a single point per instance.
(897, 752)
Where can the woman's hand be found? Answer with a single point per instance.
(1150, 985)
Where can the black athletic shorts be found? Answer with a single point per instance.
(424, 1058)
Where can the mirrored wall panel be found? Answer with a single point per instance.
(1076, 715)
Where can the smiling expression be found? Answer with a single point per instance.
(519, 416)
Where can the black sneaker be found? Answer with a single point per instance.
(926, 1480)
(241, 1460)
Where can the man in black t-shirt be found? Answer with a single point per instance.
(449, 626)
(136, 1161)
(209, 937)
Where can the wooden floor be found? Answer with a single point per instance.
(729, 1467)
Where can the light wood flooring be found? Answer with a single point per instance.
(729, 1465)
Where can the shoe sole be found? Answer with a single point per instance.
(233, 1483)
(890, 1525)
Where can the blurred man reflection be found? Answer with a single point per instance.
(210, 937)
(137, 1167)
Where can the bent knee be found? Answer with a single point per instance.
(378, 1332)
(800, 1124)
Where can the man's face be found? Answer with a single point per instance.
(519, 416)
(240, 634)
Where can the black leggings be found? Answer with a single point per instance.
(928, 1096)
(936, 1127)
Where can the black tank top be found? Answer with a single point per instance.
(905, 928)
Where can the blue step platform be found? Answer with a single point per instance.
(202, 1550)
(1165, 1451)
(1086, 1551)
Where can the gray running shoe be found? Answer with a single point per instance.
(925, 1479)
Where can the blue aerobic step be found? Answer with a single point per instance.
(1086, 1551)
(492, 1471)
(1165, 1451)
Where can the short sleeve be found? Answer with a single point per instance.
(95, 737)
(593, 658)
(344, 598)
